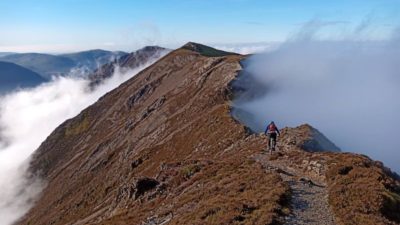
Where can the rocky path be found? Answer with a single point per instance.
(309, 202)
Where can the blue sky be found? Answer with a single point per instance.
(72, 25)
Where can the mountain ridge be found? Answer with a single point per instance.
(163, 147)
(206, 50)
(44, 64)
(13, 76)
(94, 58)
(48, 65)
(127, 62)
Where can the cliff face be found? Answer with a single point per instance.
(163, 148)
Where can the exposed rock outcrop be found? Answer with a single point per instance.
(307, 138)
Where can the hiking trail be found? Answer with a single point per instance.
(309, 200)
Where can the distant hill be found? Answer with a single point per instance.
(49, 65)
(6, 53)
(13, 76)
(93, 59)
(44, 64)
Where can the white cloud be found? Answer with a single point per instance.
(347, 89)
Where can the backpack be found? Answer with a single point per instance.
(272, 128)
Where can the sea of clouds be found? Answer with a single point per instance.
(347, 88)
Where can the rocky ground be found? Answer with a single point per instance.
(309, 200)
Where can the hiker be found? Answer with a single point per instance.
(272, 132)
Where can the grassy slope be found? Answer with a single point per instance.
(188, 142)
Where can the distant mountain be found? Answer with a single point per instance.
(6, 53)
(49, 65)
(93, 59)
(13, 76)
(44, 64)
(126, 62)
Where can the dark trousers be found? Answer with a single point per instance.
(271, 136)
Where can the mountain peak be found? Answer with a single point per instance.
(206, 50)
(152, 48)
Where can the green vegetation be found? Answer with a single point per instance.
(391, 205)
(190, 170)
(78, 127)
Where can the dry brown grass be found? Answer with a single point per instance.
(233, 192)
(362, 191)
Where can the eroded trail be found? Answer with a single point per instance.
(309, 200)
